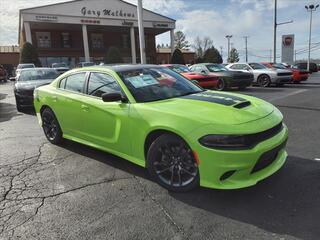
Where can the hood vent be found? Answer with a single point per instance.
(242, 104)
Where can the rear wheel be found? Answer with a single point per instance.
(171, 163)
(264, 81)
(51, 126)
(221, 85)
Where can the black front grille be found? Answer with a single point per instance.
(256, 138)
(268, 158)
(285, 74)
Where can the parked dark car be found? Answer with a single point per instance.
(303, 66)
(60, 67)
(27, 80)
(227, 78)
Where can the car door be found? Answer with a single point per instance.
(68, 103)
(106, 124)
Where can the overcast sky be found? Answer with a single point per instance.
(212, 18)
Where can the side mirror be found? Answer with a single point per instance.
(113, 97)
(13, 79)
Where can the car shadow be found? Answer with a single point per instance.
(286, 203)
(7, 111)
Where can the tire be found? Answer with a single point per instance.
(264, 80)
(171, 163)
(221, 85)
(51, 127)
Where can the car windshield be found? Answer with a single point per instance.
(180, 68)
(257, 66)
(59, 65)
(216, 68)
(88, 64)
(25, 66)
(38, 74)
(278, 66)
(153, 84)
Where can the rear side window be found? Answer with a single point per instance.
(100, 83)
(75, 82)
(62, 83)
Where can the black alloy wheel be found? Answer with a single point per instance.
(51, 126)
(264, 80)
(221, 85)
(172, 164)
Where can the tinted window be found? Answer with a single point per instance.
(75, 82)
(238, 66)
(62, 83)
(152, 84)
(100, 83)
(257, 66)
(216, 68)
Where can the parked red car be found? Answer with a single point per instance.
(298, 74)
(204, 80)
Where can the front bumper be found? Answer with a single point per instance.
(240, 82)
(282, 79)
(244, 164)
(24, 100)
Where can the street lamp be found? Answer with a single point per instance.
(228, 37)
(311, 8)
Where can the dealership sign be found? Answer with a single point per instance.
(287, 48)
(106, 13)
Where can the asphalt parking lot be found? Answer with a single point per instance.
(75, 192)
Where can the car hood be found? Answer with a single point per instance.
(30, 85)
(215, 107)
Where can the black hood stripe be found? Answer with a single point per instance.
(220, 98)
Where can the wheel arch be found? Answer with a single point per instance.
(154, 134)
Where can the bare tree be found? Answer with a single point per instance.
(180, 41)
(202, 45)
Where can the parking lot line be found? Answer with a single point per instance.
(288, 95)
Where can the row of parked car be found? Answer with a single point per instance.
(207, 75)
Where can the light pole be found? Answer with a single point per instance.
(275, 25)
(311, 8)
(228, 37)
(141, 33)
(246, 46)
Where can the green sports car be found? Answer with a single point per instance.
(155, 118)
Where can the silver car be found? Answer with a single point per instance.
(263, 76)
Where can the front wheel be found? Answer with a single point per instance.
(172, 164)
(264, 81)
(51, 126)
(221, 85)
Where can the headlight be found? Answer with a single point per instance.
(234, 142)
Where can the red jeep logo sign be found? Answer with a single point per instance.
(287, 41)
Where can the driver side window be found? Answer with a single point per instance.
(100, 83)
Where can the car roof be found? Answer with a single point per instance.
(125, 67)
(38, 68)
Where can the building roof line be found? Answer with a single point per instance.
(54, 4)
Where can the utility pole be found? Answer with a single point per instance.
(221, 53)
(275, 25)
(246, 46)
(311, 8)
(228, 37)
(141, 33)
(295, 56)
(271, 56)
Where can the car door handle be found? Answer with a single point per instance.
(85, 108)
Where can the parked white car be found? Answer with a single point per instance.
(263, 76)
(24, 66)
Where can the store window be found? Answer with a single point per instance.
(96, 40)
(125, 41)
(43, 39)
(66, 40)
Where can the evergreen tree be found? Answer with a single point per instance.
(234, 56)
(29, 54)
(177, 57)
(113, 55)
(212, 55)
